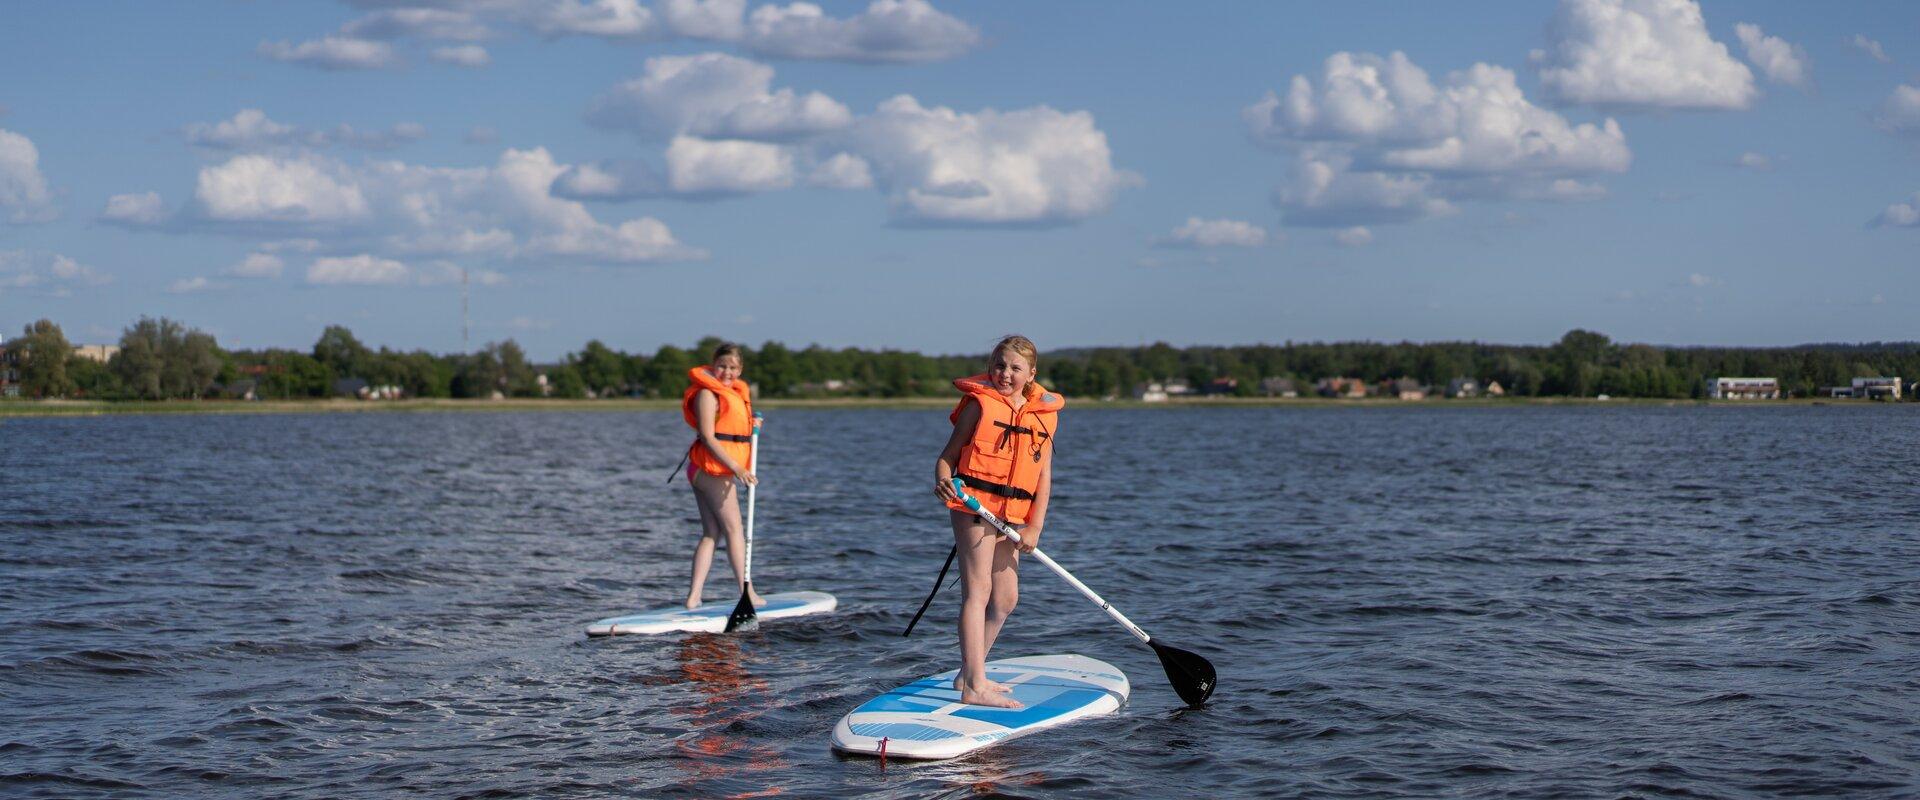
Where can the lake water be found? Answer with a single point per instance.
(1402, 602)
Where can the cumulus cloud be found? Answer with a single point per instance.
(714, 95)
(608, 19)
(713, 20)
(471, 56)
(842, 171)
(333, 53)
(1356, 236)
(135, 210)
(258, 265)
(1640, 54)
(198, 283)
(889, 31)
(1899, 114)
(50, 274)
(23, 190)
(610, 180)
(251, 129)
(1900, 215)
(1202, 233)
(1754, 161)
(391, 209)
(1033, 166)
(364, 270)
(1377, 141)
(1780, 61)
(1870, 47)
(703, 167)
(424, 23)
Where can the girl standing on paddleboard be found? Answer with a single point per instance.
(719, 405)
(1002, 450)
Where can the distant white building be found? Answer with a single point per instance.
(1151, 392)
(1876, 388)
(1743, 389)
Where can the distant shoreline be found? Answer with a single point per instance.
(89, 408)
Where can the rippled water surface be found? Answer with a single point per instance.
(1401, 602)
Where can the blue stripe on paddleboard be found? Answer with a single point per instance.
(1043, 703)
(902, 730)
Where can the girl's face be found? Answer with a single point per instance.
(1009, 372)
(726, 368)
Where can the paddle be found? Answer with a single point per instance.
(1192, 676)
(743, 618)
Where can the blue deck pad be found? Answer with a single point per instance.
(705, 610)
(1043, 697)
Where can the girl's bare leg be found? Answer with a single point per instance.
(722, 502)
(978, 554)
(710, 533)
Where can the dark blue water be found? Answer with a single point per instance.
(1401, 602)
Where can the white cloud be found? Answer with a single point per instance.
(198, 283)
(393, 209)
(471, 56)
(1477, 122)
(258, 265)
(714, 20)
(1356, 236)
(1899, 114)
(363, 269)
(333, 53)
(889, 31)
(258, 188)
(1900, 215)
(842, 171)
(1780, 61)
(1870, 47)
(1640, 54)
(1197, 232)
(1324, 193)
(251, 129)
(1023, 167)
(714, 95)
(425, 23)
(51, 274)
(610, 180)
(23, 190)
(134, 210)
(610, 19)
(1754, 161)
(703, 167)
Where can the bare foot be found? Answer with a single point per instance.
(693, 603)
(988, 697)
(992, 686)
(757, 599)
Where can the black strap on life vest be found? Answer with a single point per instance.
(725, 437)
(1000, 489)
(733, 437)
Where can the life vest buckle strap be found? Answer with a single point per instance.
(1001, 489)
(733, 437)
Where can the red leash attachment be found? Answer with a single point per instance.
(883, 752)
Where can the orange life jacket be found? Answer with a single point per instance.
(732, 421)
(1002, 461)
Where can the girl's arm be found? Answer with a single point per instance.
(706, 407)
(1037, 516)
(944, 468)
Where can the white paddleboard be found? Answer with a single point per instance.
(926, 720)
(712, 616)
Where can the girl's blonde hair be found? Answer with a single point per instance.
(1024, 348)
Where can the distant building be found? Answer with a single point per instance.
(1743, 388)
(1494, 389)
(1463, 387)
(97, 352)
(1177, 387)
(1340, 387)
(1279, 387)
(1877, 388)
(1151, 392)
(1220, 386)
(1836, 391)
(1402, 388)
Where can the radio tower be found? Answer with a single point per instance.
(463, 310)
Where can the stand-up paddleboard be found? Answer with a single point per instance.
(712, 617)
(925, 719)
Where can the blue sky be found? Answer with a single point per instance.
(929, 176)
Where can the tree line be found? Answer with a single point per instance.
(166, 359)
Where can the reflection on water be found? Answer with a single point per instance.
(715, 666)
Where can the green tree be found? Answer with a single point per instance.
(600, 368)
(44, 356)
(340, 351)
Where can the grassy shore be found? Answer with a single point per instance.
(64, 408)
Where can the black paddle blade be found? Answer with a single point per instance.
(1192, 676)
(743, 618)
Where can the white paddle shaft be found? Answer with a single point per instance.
(753, 458)
(1008, 531)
